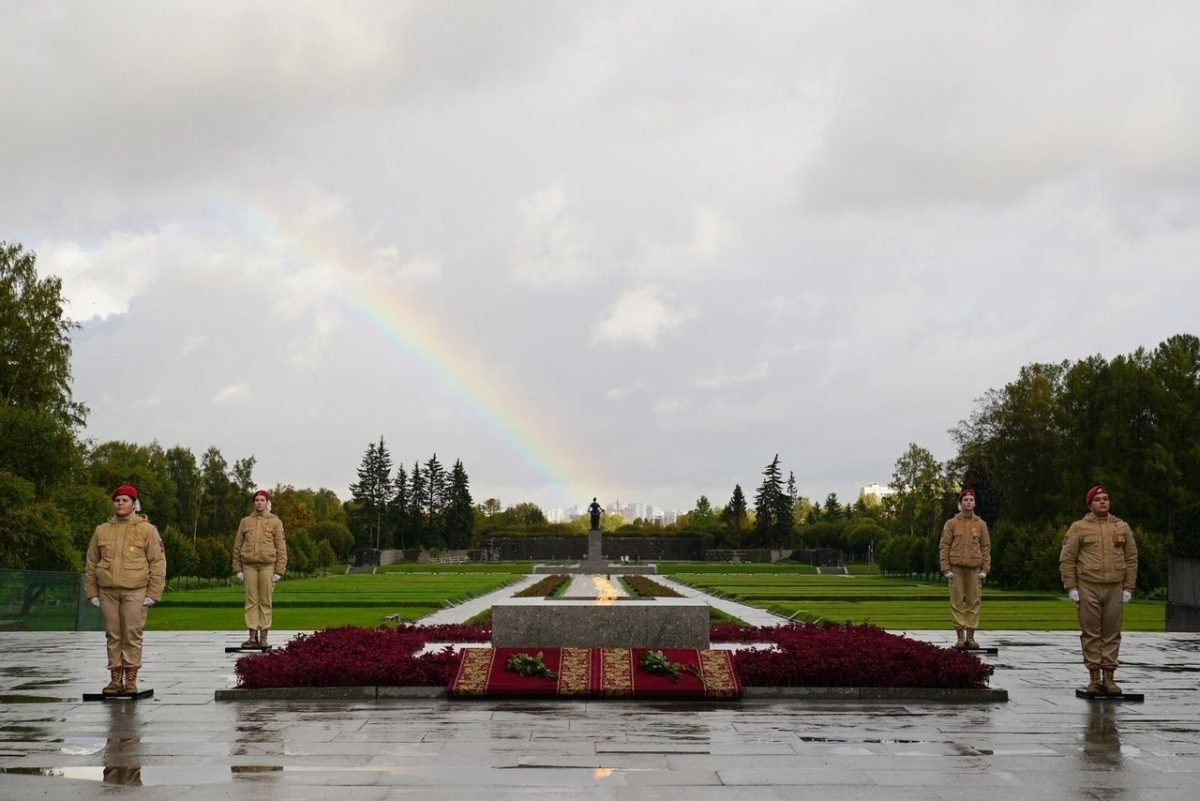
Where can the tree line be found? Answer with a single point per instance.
(426, 506)
(1029, 449)
(54, 485)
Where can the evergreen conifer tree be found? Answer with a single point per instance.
(459, 517)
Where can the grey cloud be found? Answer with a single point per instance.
(893, 207)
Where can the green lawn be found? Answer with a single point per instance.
(415, 590)
(899, 603)
(314, 603)
(746, 568)
(514, 568)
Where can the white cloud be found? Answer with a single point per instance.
(669, 407)
(192, 344)
(420, 270)
(232, 395)
(710, 234)
(639, 317)
(617, 393)
(552, 247)
(722, 379)
(879, 215)
(99, 282)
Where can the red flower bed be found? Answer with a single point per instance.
(359, 657)
(648, 588)
(543, 588)
(849, 656)
(806, 655)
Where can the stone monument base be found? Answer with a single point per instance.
(596, 569)
(592, 623)
(595, 564)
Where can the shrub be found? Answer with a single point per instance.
(643, 587)
(359, 657)
(808, 655)
(544, 588)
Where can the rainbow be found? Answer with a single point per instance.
(529, 434)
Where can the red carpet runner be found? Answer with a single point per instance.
(595, 673)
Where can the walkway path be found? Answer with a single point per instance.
(582, 587)
(752, 615)
(469, 609)
(585, 587)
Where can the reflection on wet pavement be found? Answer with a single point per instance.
(1043, 743)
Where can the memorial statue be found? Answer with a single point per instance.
(594, 511)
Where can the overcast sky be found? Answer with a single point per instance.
(630, 250)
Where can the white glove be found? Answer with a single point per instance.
(982, 575)
(1073, 594)
(240, 576)
(1126, 596)
(148, 602)
(95, 599)
(276, 577)
(949, 574)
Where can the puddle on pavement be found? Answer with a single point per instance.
(132, 775)
(19, 670)
(83, 746)
(177, 775)
(41, 685)
(30, 699)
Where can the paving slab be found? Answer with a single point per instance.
(182, 744)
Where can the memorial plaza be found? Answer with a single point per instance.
(1043, 743)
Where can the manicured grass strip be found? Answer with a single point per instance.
(300, 619)
(999, 615)
(514, 568)
(317, 603)
(816, 587)
(671, 568)
(904, 603)
(356, 590)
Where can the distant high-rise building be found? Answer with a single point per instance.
(876, 491)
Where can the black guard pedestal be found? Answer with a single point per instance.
(1133, 698)
(140, 695)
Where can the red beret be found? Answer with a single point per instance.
(124, 489)
(263, 493)
(1093, 492)
(966, 492)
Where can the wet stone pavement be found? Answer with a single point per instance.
(1044, 743)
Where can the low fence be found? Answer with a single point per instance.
(38, 600)
(637, 548)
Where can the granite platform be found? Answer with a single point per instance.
(610, 623)
(1044, 743)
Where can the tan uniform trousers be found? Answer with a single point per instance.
(964, 597)
(258, 595)
(124, 614)
(1100, 616)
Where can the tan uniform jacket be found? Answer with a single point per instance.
(965, 543)
(126, 555)
(1099, 551)
(260, 542)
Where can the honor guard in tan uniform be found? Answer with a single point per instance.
(965, 553)
(1098, 564)
(125, 575)
(259, 560)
